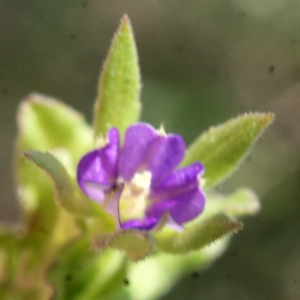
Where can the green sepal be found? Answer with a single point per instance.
(135, 243)
(222, 148)
(198, 235)
(117, 103)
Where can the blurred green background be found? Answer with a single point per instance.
(202, 62)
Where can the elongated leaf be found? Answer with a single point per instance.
(65, 189)
(117, 103)
(62, 182)
(198, 235)
(221, 149)
(136, 244)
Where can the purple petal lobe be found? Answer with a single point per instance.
(92, 177)
(110, 154)
(144, 224)
(188, 206)
(179, 182)
(97, 170)
(171, 223)
(94, 191)
(182, 209)
(138, 139)
(166, 154)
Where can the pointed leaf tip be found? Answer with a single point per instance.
(117, 103)
(198, 235)
(222, 148)
(125, 21)
(267, 118)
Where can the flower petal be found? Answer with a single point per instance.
(143, 224)
(110, 154)
(94, 191)
(188, 206)
(179, 182)
(166, 154)
(97, 170)
(138, 139)
(182, 209)
(171, 223)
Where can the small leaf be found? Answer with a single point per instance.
(55, 169)
(45, 123)
(118, 103)
(65, 189)
(135, 243)
(198, 235)
(221, 149)
(242, 202)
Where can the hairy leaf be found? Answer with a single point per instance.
(118, 103)
(221, 149)
(136, 244)
(198, 235)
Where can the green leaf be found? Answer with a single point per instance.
(240, 203)
(135, 243)
(65, 188)
(45, 124)
(221, 149)
(118, 103)
(198, 235)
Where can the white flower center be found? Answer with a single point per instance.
(134, 196)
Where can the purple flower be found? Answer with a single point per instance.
(138, 182)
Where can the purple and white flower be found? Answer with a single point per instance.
(139, 183)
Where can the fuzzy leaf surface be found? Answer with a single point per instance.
(117, 103)
(198, 235)
(222, 148)
(136, 244)
(65, 188)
